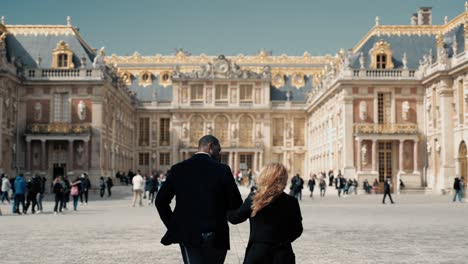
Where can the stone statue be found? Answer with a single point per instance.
(37, 111)
(234, 131)
(288, 131)
(405, 110)
(80, 154)
(99, 59)
(405, 61)
(437, 146)
(184, 130)
(259, 131)
(266, 74)
(364, 154)
(209, 129)
(363, 110)
(288, 96)
(428, 148)
(455, 45)
(362, 61)
(81, 108)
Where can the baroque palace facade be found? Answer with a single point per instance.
(393, 106)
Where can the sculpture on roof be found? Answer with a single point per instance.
(99, 59)
(405, 61)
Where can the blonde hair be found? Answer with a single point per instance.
(270, 183)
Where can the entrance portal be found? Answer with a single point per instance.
(59, 170)
(385, 163)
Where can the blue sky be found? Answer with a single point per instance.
(223, 26)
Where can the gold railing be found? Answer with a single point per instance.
(385, 128)
(58, 128)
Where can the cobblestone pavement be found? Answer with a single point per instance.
(356, 229)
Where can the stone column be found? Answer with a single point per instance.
(348, 146)
(400, 166)
(358, 158)
(235, 168)
(70, 156)
(374, 155)
(28, 155)
(255, 162)
(260, 161)
(43, 155)
(415, 157)
(447, 169)
(86, 154)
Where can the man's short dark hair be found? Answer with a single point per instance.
(208, 139)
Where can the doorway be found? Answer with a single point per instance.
(59, 170)
(385, 163)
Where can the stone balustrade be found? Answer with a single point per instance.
(62, 74)
(58, 128)
(370, 128)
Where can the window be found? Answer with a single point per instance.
(221, 93)
(299, 131)
(381, 61)
(245, 93)
(61, 107)
(196, 130)
(62, 61)
(164, 159)
(278, 131)
(164, 134)
(143, 159)
(384, 107)
(224, 158)
(196, 93)
(245, 131)
(221, 129)
(144, 132)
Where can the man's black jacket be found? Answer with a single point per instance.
(205, 190)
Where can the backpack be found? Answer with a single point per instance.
(57, 187)
(74, 190)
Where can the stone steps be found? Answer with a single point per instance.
(416, 190)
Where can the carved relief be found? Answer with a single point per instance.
(363, 110)
(81, 110)
(80, 155)
(37, 111)
(405, 110)
(364, 155)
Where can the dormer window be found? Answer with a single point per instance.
(381, 61)
(62, 57)
(381, 55)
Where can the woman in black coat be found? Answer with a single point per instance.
(275, 218)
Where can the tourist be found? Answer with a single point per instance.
(339, 184)
(331, 178)
(462, 187)
(152, 188)
(138, 187)
(323, 186)
(20, 189)
(355, 186)
(102, 186)
(66, 192)
(457, 189)
(366, 186)
(109, 184)
(34, 187)
(199, 184)
(249, 176)
(275, 218)
(297, 184)
(40, 195)
(387, 185)
(375, 186)
(57, 189)
(311, 185)
(402, 185)
(75, 192)
(85, 186)
(347, 186)
(6, 186)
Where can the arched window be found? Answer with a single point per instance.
(381, 61)
(196, 130)
(245, 132)
(221, 129)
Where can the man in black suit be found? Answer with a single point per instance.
(205, 190)
(339, 184)
(387, 190)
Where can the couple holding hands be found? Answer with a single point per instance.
(207, 198)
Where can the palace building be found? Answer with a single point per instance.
(395, 105)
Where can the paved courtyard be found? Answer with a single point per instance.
(356, 229)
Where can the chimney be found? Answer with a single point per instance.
(414, 19)
(425, 16)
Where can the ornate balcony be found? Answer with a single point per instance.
(384, 74)
(58, 128)
(62, 74)
(386, 128)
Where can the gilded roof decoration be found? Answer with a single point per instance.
(37, 30)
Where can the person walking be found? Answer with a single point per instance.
(457, 189)
(331, 178)
(109, 184)
(339, 184)
(138, 186)
(85, 186)
(40, 195)
(34, 187)
(57, 189)
(66, 191)
(152, 189)
(6, 186)
(462, 187)
(311, 185)
(323, 186)
(205, 190)
(102, 186)
(20, 190)
(275, 218)
(387, 185)
(75, 192)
